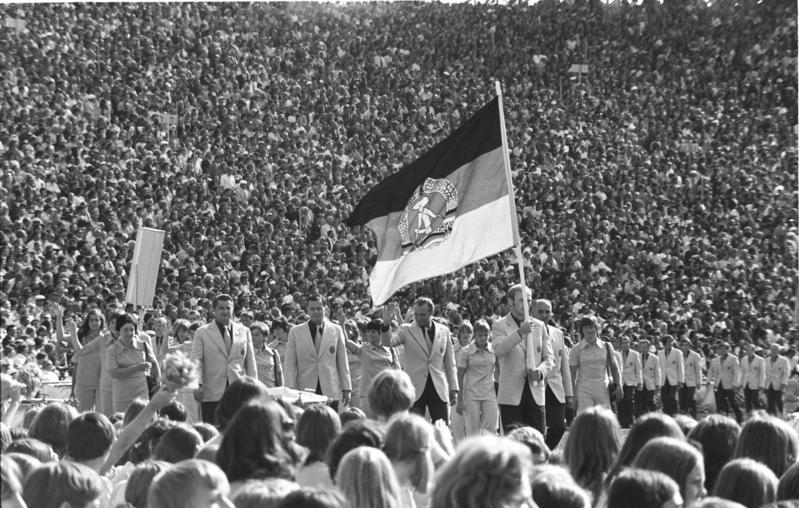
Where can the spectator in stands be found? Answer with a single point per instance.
(263, 493)
(717, 436)
(747, 482)
(51, 426)
(639, 488)
(648, 427)
(591, 448)
(391, 393)
(317, 427)
(366, 479)
(553, 486)
(62, 483)
(769, 440)
(140, 480)
(409, 444)
(190, 484)
(681, 461)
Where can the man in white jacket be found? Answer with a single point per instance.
(753, 377)
(777, 373)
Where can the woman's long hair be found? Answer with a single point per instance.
(591, 447)
(255, 444)
(84, 330)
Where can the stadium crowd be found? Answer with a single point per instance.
(657, 192)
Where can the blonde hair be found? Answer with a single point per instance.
(392, 392)
(485, 471)
(366, 478)
(408, 439)
(591, 447)
(169, 487)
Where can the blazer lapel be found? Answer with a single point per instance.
(216, 336)
(309, 341)
(420, 339)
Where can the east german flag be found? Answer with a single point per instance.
(449, 208)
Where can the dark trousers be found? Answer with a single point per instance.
(555, 412)
(432, 402)
(725, 402)
(751, 399)
(688, 400)
(627, 406)
(645, 401)
(527, 413)
(208, 410)
(668, 398)
(333, 404)
(774, 401)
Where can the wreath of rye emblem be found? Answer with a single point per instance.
(428, 217)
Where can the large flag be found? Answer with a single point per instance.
(449, 208)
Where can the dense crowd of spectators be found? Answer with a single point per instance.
(657, 190)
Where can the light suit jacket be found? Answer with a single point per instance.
(693, 369)
(631, 374)
(753, 373)
(777, 374)
(728, 372)
(651, 371)
(217, 367)
(421, 361)
(304, 366)
(559, 378)
(671, 368)
(511, 353)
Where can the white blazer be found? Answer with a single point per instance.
(511, 353)
(671, 368)
(420, 360)
(693, 369)
(777, 372)
(727, 372)
(651, 372)
(559, 378)
(217, 367)
(753, 373)
(305, 366)
(631, 374)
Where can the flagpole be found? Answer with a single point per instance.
(530, 360)
(511, 193)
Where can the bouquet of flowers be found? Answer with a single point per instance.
(179, 371)
(29, 375)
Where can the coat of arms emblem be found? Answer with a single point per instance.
(429, 215)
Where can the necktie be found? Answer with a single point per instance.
(427, 332)
(226, 338)
(646, 355)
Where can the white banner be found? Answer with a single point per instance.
(144, 267)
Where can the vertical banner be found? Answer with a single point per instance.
(144, 267)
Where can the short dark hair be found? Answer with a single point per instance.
(280, 323)
(90, 436)
(123, 320)
(223, 297)
(640, 488)
(237, 395)
(317, 298)
(181, 442)
(175, 411)
(310, 497)
(423, 300)
(61, 482)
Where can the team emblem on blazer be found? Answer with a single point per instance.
(332, 349)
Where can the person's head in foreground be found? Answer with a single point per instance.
(747, 482)
(554, 486)
(769, 440)
(681, 461)
(640, 488)
(192, 483)
(485, 471)
(366, 479)
(61, 485)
